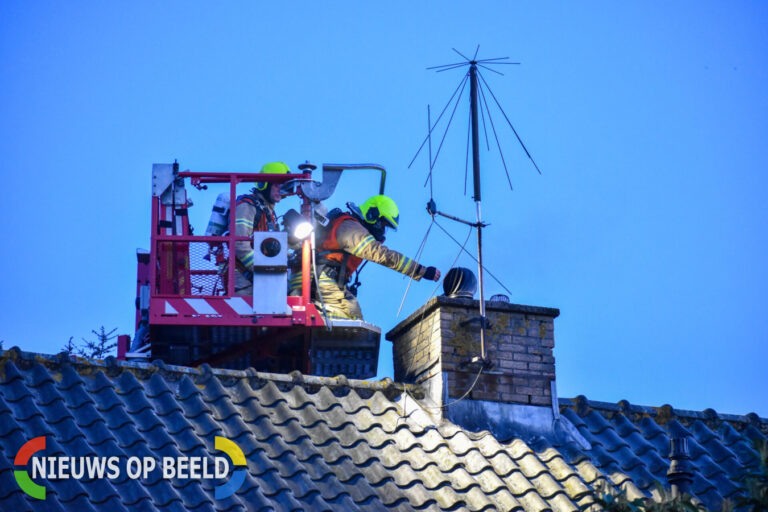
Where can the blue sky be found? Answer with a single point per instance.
(648, 120)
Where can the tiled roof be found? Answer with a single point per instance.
(634, 440)
(315, 444)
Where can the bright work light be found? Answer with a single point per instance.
(297, 225)
(302, 230)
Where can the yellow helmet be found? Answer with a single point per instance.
(271, 168)
(381, 208)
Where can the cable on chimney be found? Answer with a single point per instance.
(480, 371)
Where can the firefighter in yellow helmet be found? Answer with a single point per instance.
(348, 239)
(255, 211)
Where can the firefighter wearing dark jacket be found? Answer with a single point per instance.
(351, 238)
(255, 212)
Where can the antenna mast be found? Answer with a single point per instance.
(477, 196)
(482, 86)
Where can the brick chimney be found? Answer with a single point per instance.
(434, 346)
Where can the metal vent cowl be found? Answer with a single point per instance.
(460, 282)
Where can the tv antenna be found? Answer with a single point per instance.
(479, 90)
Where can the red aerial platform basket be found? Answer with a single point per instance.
(187, 309)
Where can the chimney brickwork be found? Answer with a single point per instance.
(416, 349)
(442, 336)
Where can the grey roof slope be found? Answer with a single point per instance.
(338, 445)
(634, 440)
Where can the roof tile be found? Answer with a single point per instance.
(718, 451)
(309, 447)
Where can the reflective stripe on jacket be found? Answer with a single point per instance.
(253, 213)
(347, 235)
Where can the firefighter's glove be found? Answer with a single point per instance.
(431, 274)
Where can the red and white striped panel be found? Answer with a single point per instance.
(234, 306)
(228, 311)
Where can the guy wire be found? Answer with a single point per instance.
(462, 397)
(485, 269)
(431, 196)
(418, 255)
(434, 291)
(480, 371)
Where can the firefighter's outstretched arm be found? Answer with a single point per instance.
(356, 240)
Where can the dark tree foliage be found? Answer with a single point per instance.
(618, 502)
(69, 347)
(98, 348)
(754, 499)
(756, 483)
